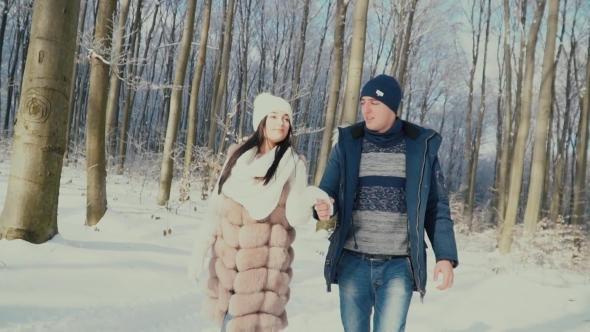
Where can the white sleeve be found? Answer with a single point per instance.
(302, 198)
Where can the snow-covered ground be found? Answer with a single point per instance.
(126, 275)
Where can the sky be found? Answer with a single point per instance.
(125, 275)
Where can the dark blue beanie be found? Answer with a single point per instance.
(384, 88)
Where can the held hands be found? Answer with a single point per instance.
(324, 208)
(446, 268)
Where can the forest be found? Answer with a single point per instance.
(164, 87)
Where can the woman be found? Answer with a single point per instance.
(261, 195)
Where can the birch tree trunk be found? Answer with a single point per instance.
(176, 104)
(522, 134)
(30, 209)
(355, 64)
(96, 196)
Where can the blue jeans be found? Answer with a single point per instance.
(226, 320)
(364, 284)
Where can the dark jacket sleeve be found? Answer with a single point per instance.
(438, 223)
(330, 182)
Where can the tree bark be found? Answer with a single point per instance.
(579, 204)
(507, 121)
(341, 7)
(194, 100)
(220, 90)
(476, 35)
(96, 195)
(130, 95)
(522, 134)
(406, 53)
(30, 210)
(82, 20)
(112, 117)
(479, 128)
(535, 192)
(176, 105)
(355, 64)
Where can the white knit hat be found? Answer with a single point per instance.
(266, 103)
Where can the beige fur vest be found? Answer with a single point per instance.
(250, 269)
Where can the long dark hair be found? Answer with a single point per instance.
(256, 141)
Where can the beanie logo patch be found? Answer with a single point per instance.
(379, 93)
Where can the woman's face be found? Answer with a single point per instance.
(276, 127)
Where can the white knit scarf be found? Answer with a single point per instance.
(246, 185)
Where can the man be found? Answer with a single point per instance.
(386, 185)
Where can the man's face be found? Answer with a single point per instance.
(378, 117)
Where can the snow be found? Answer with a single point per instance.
(125, 275)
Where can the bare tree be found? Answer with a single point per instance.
(341, 6)
(535, 193)
(194, 100)
(131, 89)
(476, 28)
(405, 52)
(507, 121)
(82, 21)
(176, 104)
(112, 117)
(224, 68)
(579, 203)
(522, 134)
(30, 210)
(96, 195)
(355, 64)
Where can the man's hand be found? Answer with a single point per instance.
(323, 209)
(446, 268)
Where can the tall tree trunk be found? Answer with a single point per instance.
(476, 35)
(355, 64)
(96, 195)
(112, 117)
(341, 6)
(30, 210)
(507, 121)
(479, 128)
(406, 53)
(5, 10)
(522, 134)
(213, 117)
(176, 105)
(220, 89)
(300, 53)
(130, 95)
(535, 192)
(194, 101)
(579, 204)
(315, 74)
(245, 41)
(519, 79)
(82, 20)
